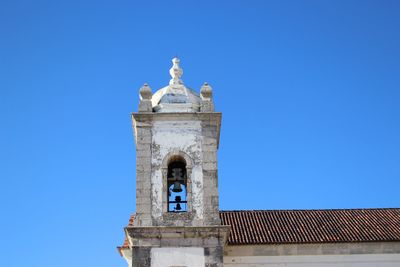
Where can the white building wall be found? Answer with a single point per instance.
(184, 136)
(177, 257)
(359, 260)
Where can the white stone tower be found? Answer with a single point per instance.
(177, 204)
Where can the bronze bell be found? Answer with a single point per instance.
(177, 187)
(178, 207)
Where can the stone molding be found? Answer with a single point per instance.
(313, 249)
(186, 236)
(211, 238)
(146, 119)
(164, 170)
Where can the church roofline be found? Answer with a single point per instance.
(273, 227)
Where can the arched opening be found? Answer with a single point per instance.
(177, 185)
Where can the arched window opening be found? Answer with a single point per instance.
(177, 186)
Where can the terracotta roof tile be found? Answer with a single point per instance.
(311, 226)
(126, 242)
(255, 227)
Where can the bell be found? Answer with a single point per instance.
(178, 207)
(177, 187)
(177, 173)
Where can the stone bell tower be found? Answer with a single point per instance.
(177, 204)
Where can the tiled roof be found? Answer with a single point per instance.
(311, 226)
(256, 227)
(125, 245)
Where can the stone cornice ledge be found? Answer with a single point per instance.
(146, 119)
(177, 235)
(176, 116)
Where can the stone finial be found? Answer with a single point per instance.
(206, 92)
(176, 72)
(207, 104)
(145, 99)
(145, 92)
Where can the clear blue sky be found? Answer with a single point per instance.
(309, 92)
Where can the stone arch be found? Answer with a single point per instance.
(177, 154)
(170, 157)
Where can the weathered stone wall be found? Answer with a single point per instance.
(195, 137)
(142, 129)
(177, 256)
(170, 138)
(210, 132)
(145, 239)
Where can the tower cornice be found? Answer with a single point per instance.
(146, 119)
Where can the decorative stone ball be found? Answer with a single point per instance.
(206, 91)
(145, 92)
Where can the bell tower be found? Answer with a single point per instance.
(177, 204)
